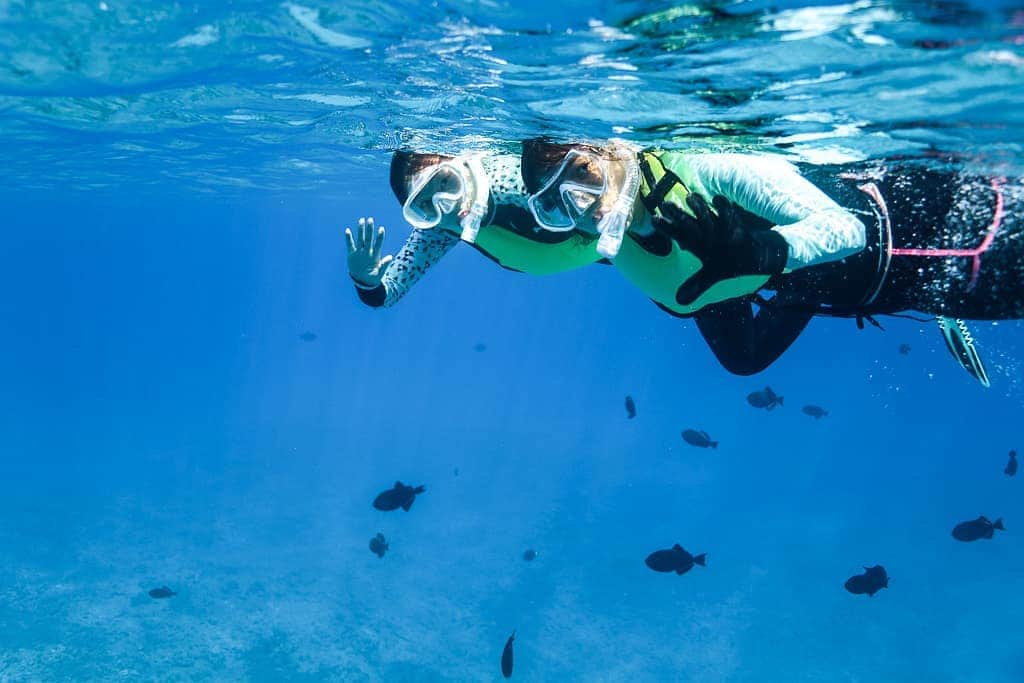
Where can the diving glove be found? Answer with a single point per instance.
(365, 265)
(726, 243)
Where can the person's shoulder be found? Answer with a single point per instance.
(719, 158)
(754, 159)
(713, 165)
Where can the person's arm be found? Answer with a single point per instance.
(745, 343)
(381, 282)
(816, 228)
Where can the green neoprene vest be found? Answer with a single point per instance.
(665, 177)
(516, 252)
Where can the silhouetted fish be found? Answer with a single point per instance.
(1011, 466)
(506, 657)
(871, 581)
(630, 407)
(698, 439)
(817, 412)
(928, 44)
(766, 399)
(479, 347)
(675, 559)
(401, 496)
(977, 529)
(904, 349)
(162, 592)
(530, 555)
(307, 337)
(378, 545)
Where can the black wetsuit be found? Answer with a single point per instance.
(917, 209)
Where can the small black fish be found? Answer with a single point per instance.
(530, 555)
(766, 399)
(928, 44)
(871, 581)
(401, 496)
(479, 347)
(698, 439)
(378, 545)
(1011, 466)
(675, 559)
(307, 337)
(630, 407)
(161, 592)
(904, 349)
(506, 657)
(977, 529)
(456, 471)
(817, 412)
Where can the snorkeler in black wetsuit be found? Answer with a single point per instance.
(940, 242)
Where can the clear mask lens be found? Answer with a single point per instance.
(579, 199)
(570, 193)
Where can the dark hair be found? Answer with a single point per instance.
(541, 156)
(404, 167)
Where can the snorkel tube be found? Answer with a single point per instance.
(480, 188)
(612, 226)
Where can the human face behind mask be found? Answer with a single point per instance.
(438, 193)
(451, 192)
(581, 187)
(572, 194)
(572, 186)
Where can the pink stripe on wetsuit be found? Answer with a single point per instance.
(974, 254)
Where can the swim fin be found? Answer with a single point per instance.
(960, 343)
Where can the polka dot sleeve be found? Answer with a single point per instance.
(421, 250)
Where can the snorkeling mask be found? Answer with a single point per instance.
(570, 194)
(445, 189)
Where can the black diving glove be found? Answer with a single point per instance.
(726, 244)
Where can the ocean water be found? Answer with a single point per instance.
(176, 181)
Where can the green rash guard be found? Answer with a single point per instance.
(506, 247)
(511, 240)
(816, 229)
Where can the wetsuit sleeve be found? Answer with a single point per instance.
(746, 343)
(816, 228)
(421, 250)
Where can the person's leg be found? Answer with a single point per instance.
(957, 245)
(968, 263)
(745, 342)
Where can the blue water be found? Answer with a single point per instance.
(176, 180)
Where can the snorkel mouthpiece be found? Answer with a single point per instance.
(444, 190)
(566, 196)
(612, 226)
(480, 187)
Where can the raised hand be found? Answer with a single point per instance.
(365, 264)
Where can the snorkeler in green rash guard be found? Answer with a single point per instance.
(940, 241)
(477, 199)
(749, 217)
